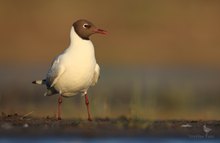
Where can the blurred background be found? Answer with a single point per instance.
(160, 60)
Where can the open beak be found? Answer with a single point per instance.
(100, 31)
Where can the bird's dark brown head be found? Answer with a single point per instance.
(85, 29)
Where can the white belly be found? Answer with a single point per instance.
(79, 65)
(76, 79)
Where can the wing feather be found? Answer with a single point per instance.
(96, 75)
(55, 72)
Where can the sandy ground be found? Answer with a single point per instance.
(17, 125)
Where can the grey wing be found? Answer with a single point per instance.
(96, 75)
(56, 70)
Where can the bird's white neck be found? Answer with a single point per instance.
(76, 41)
(80, 47)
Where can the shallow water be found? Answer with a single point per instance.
(107, 140)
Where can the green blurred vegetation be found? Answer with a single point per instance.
(131, 92)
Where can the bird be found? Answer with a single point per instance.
(75, 70)
(186, 125)
(206, 130)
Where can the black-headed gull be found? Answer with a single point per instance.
(74, 70)
(206, 130)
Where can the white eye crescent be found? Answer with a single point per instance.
(86, 25)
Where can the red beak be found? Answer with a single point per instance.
(100, 31)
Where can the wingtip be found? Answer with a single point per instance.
(39, 82)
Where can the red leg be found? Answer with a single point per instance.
(88, 109)
(59, 108)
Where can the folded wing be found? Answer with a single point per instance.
(96, 75)
(53, 75)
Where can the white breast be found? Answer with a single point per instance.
(79, 62)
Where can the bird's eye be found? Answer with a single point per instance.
(86, 26)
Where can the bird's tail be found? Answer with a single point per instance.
(39, 81)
